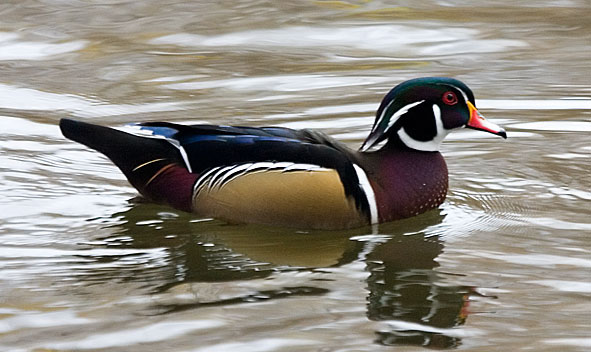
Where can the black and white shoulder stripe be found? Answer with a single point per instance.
(218, 176)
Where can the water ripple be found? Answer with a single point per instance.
(16, 98)
(565, 285)
(533, 259)
(398, 39)
(12, 47)
(130, 336)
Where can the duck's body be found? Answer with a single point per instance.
(296, 178)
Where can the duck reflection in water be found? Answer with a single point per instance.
(405, 290)
(211, 251)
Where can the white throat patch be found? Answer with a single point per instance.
(426, 146)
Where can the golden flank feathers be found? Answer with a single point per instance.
(307, 199)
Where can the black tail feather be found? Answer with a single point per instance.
(139, 158)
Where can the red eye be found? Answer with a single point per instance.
(450, 98)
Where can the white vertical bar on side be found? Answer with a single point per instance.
(369, 193)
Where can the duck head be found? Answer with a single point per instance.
(419, 113)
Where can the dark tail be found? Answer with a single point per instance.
(140, 158)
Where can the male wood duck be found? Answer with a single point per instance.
(298, 178)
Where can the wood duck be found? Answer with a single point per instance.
(298, 178)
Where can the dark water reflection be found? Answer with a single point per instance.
(404, 288)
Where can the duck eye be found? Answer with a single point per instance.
(450, 98)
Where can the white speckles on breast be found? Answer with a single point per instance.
(428, 196)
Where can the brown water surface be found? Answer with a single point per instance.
(503, 264)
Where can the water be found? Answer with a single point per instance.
(503, 264)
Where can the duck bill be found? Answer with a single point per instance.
(478, 122)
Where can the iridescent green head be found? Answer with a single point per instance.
(419, 113)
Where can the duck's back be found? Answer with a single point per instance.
(277, 176)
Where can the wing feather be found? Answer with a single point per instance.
(205, 147)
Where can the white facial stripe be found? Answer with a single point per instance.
(463, 93)
(382, 116)
(370, 143)
(369, 193)
(399, 113)
(426, 146)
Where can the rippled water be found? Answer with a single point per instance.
(503, 264)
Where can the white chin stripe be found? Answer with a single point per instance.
(426, 146)
(371, 198)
